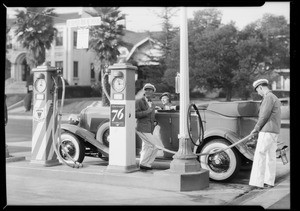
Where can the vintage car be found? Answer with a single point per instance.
(224, 123)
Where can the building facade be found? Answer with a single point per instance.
(80, 66)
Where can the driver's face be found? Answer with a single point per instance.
(149, 93)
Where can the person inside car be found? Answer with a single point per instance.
(166, 102)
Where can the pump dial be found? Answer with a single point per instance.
(118, 84)
(40, 85)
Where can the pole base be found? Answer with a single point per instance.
(176, 181)
(121, 169)
(46, 163)
(185, 165)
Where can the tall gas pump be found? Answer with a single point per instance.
(42, 151)
(122, 146)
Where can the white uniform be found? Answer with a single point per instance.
(268, 128)
(149, 151)
(264, 162)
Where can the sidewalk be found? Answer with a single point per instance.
(32, 184)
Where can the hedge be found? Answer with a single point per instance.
(79, 92)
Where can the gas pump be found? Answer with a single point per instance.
(122, 149)
(46, 124)
(42, 150)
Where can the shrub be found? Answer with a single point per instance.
(78, 92)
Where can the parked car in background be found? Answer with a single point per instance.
(285, 108)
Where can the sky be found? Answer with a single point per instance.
(141, 19)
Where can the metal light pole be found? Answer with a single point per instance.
(184, 160)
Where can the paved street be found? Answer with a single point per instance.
(28, 184)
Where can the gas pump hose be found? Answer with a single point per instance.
(103, 85)
(76, 164)
(201, 136)
(202, 154)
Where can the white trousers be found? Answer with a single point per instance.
(264, 162)
(149, 151)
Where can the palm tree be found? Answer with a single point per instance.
(36, 32)
(105, 40)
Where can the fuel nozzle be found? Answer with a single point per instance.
(59, 70)
(282, 155)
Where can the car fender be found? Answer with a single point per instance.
(229, 135)
(86, 135)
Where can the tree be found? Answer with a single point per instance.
(203, 21)
(105, 40)
(168, 30)
(262, 47)
(217, 58)
(207, 19)
(276, 32)
(220, 56)
(36, 32)
(7, 62)
(251, 52)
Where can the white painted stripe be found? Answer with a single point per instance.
(36, 133)
(20, 144)
(64, 118)
(42, 148)
(98, 172)
(19, 117)
(51, 152)
(38, 103)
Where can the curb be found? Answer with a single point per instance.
(14, 159)
(273, 195)
(265, 198)
(18, 104)
(29, 117)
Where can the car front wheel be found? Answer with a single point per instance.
(222, 166)
(73, 146)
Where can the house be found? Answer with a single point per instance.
(79, 65)
(282, 82)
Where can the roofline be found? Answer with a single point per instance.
(137, 45)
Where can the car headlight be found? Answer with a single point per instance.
(73, 119)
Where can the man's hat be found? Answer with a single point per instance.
(149, 86)
(165, 94)
(259, 82)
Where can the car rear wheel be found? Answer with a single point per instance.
(73, 146)
(222, 166)
(103, 134)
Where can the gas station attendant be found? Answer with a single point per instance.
(145, 114)
(268, 128)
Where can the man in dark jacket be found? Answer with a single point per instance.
(268, 128)
(5, 121)
(145, 114)
(28, 97)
